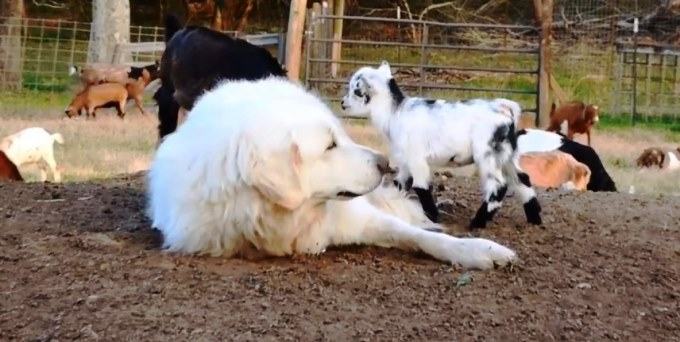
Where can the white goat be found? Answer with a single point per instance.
(424, 133)
(33, 146)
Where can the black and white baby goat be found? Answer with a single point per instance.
(424, 133)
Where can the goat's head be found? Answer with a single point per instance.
(370, 86)
(76, 105)
(591, 114)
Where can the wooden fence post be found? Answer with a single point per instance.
(545, 18)
(336, 50)
(296, 27)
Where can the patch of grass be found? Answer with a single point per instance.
(666, 126)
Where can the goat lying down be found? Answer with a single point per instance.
(555, 169)
(536, 140)
(271, 178)
(424, 133)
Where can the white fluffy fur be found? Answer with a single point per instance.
(265, 166)
(33, 146)
(538, 140)
(423, 135)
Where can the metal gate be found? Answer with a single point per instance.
(432, 59)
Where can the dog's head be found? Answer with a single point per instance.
(369, 86)
(308, 159)
(277, 139)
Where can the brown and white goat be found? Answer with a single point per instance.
(98, 73)
(8, 171)
(555, 169)
(580, 118)
(652, 156)
(101, 73)
(103, 95)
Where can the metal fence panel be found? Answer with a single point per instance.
(444, 60)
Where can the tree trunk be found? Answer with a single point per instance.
(11, 14)
(110, 26)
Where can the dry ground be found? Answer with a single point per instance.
(79, 261)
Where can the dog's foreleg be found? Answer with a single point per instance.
(366, 224)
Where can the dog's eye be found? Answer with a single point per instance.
(331, 146)
(357, 92)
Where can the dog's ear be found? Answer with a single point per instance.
(275, 175)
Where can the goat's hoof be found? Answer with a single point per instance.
(536, 221)
(477, 224)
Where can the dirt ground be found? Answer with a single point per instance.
(80, 261)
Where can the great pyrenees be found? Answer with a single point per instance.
(266, 167)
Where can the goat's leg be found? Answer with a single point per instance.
(494, 188)
(138, 103)
(521, 184)
(420, 171)
(43, 172)
(52, 164)
(493, 182)
(120, 107)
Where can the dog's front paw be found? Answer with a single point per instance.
(484, 254)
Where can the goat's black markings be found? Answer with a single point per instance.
(430, 102)
(599, 179)
(524, 178)
(500, 135)
(481, 217)
(428, 202)
(395, 92)
(512, 136)
(533, 211)
(499, 194)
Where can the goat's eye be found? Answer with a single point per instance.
(331, 146)
(357, 92)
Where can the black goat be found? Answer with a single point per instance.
(196, 59)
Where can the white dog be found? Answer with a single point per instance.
(33, 146)
(265, 166)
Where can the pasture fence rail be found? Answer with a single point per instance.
(35, 56)
(599, 59)
(430, 59)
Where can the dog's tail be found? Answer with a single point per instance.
(58, 138)
(172, 25)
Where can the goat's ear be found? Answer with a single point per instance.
(275, 175)
(385, 68)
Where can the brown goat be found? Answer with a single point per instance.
(8, 171)
(103, 95)
(135, 88)
(555, 169)
(652, 156)
(579, 116)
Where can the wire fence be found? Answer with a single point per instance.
(47, 48)
(595, 52)
(431, 59)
